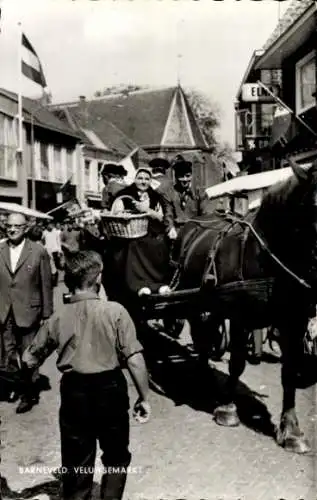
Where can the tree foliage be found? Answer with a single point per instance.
(208, 116)
(123, 89)
(206, 113)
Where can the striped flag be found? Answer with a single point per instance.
(31, 64)
(282, 126)
(284, 118)
(64, 190)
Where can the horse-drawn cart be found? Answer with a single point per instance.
(256, 270)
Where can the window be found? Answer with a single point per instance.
(69, 162)
(58, 164)
(8, 147)
(245, 125)
(267, 116)
(271, 77)
(305, 82)
(100, 182)
(87, 175)
(44, 161)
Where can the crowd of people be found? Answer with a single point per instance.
(94, 334)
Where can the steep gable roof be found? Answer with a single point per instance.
(86, 119)
(140, 115)
(42, 116)
(198, 137)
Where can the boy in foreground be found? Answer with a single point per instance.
(90, 335)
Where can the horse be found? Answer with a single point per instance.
(257, 270)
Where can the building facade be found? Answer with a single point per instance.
(265, 131)
(51, 155)
(102, 142)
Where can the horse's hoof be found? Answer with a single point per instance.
(227, 415)
(293, 444)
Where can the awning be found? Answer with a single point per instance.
(291, 39)
(251, 182)
(20, 209)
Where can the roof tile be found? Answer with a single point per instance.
(140, 115)
(42, 116)
(294, 11)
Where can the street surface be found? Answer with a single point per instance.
(181, 453)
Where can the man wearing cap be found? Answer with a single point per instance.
(112, 176)
(161, 182)
(186, 201)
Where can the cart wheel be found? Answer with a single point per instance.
(221, 343)
(173, 327)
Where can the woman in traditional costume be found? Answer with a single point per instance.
(140, 262)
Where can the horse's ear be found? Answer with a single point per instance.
(301, 174)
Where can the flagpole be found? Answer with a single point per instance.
(33, 187)
(22, 174)
(277, 99)
(20, 111)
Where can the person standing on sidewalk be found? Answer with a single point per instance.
(91, 335)
(26, 298)
(52, 243)
(70, 239)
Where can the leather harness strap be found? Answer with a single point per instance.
(265, 247)
(210, 271)
(211, 258)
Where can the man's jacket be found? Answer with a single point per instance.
(27, 290)
(183, 206)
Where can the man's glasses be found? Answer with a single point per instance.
(10, 226)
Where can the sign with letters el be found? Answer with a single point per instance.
(253, 92)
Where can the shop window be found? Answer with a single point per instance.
(245, 125)
(8, 148)
(58, 164)
(305, 82)
(266, 121)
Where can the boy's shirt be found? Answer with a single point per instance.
(88, 334)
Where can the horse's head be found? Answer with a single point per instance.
(303, 211)
(287, 219)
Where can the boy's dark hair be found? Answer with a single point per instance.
(82, 269)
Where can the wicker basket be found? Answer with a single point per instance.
(126, 225)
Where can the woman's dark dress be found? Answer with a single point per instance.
(140, 262)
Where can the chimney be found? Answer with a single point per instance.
(83, 109)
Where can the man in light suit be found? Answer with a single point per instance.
(26, 297)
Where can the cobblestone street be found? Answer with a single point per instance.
(181, 453)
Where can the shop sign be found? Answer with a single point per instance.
(253, 92)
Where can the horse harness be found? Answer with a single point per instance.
(210, 271)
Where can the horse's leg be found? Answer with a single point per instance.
(289, 434)
(227, 414)
(257, 341)
(202, 331)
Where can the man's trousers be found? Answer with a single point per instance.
(94, 407)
